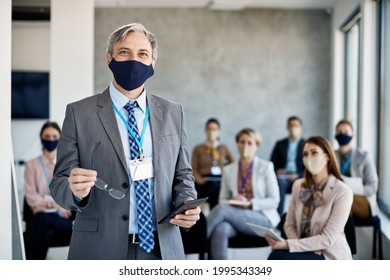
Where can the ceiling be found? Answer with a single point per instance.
(211, 4)
(222, 4)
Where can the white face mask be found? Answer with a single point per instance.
(315, 164)
(212, 135)
(295, 132)
(247, 151)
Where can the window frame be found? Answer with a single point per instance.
(384, 17)
(348, 24)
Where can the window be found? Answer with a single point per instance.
(384, 147)
(351, 72)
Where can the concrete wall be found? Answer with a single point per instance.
(250, 68)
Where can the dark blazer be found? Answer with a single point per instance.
(101, 227)
(279, 155)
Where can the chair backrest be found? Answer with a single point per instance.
(350, 234)
(247, 241)
(27, 212)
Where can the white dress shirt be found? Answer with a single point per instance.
(120, 101)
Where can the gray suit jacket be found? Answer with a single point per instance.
(101, 226)
(363, 166)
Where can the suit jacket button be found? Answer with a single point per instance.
(125, 185)
(125, 217)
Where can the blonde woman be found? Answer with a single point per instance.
(249, 194)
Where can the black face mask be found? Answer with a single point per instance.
(130, 74)
(50, 145)
(343, 139)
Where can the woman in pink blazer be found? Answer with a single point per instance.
(318, 211)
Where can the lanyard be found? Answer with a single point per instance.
(214, 154)
(246, 177)
(47, 180)
(44, 171)
(345, 166)
(139, 142)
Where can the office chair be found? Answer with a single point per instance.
(374, 222)
(247, 241)
(195, 239)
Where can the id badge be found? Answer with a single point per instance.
(141, 169)
(216, 170)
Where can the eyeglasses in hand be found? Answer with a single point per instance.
(101, 185)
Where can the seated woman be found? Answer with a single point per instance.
(249, 194)
(48, 220)
(208, 160)
(319, 209)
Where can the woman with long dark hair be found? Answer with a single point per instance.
(319, 209)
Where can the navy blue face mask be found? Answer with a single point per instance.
(50, 145)
(343, 139)
(130, 74)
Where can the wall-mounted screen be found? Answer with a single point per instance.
(30, 95)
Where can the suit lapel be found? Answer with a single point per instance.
(298, 215)
(354, 162)
(156, 120)
(108, 120)
(256, 170)
(234, 178)
(156, 123)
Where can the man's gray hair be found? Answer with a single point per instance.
(121, 33)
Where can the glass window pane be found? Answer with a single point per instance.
(352, 46)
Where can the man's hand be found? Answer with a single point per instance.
(276, 245)
(81, 181)
(186, 219)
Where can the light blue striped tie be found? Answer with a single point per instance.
(144, 212)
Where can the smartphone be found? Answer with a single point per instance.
(189, 204)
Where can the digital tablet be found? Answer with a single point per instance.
(260, 231)
(189, 204)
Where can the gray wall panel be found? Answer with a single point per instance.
(250, 68)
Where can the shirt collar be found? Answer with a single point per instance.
(120, 100)
(293, 141)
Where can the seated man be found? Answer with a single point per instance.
(287, 158)
(358, 170)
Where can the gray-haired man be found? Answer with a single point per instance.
(123, 161)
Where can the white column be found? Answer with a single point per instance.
(72, 54)
(369, 79)
(5, 128)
